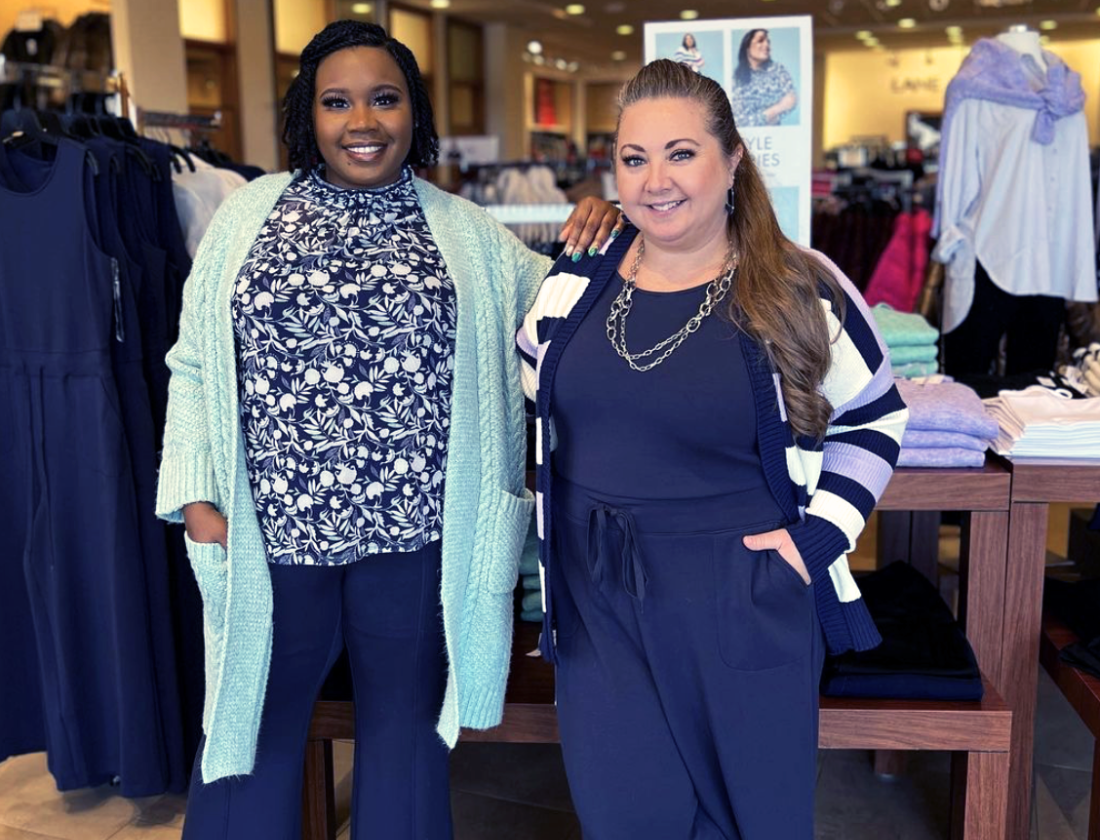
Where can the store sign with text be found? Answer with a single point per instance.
(765, 66)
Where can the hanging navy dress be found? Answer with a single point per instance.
(73, 389)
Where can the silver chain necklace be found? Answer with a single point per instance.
(620, 308)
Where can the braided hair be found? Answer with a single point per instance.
(298, 134)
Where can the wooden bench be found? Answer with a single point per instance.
(977, 734)
(1083, 692)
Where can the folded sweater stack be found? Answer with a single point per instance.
(948, 426)
(910, 340)
(1040, 423)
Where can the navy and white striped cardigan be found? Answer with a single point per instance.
(827, 488)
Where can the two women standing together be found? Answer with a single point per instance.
(346, 447)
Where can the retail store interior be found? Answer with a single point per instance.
(524, 98)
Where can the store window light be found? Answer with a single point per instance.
(1048, 25)
(906, 23)
(689, 14)
(574, 9)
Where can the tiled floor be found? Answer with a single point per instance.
(518, 792)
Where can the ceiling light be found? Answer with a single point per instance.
(906, 23)
(618, 55)
(574, 9)
(871, 42)
(864, 34)
(539, 60)
(561, 63)
(574, 66)
(891, 4)
(1048, 25)
(361, 8)
(689, 14)
(1044, 39)
(441, 4)
(625, 29)
(954, 30)
(534, 47)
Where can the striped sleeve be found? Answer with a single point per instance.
(557, 296)
(860, 448)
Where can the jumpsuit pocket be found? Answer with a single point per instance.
(764, 609)
(208, 562)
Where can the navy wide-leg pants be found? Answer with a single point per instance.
(687, 687)
(385, 608)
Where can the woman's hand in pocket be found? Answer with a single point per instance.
(205, 524)
(781, 542)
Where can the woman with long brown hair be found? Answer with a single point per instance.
(716, 419)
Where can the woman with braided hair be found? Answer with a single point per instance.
(345, 445)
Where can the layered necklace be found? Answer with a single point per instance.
(620, 309)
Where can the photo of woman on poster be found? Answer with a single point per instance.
(689, 54)
(763, 90)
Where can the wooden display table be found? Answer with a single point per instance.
(1035, 484)
(978, 734)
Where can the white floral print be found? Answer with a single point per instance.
(345, 322)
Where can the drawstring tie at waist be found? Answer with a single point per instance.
(601, 519)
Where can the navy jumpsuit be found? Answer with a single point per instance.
(687, 681)
(83, 469)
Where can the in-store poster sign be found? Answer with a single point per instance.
(765, 65)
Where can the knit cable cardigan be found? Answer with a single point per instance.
(826, 488)
(486, 508)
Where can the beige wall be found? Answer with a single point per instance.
(203, 20)
(296, 22)
(867, 93)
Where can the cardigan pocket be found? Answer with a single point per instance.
(208, 562)
(507, 533)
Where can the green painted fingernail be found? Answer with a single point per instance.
(592, 251)
(615, 232)
(577, 257)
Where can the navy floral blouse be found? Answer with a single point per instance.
(345, 317)
(766, 87)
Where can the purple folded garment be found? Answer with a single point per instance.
(948, 456)
(946, 407)
(921, 439)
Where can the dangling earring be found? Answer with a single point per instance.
(729, 200)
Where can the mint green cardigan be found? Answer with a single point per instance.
(486, 508)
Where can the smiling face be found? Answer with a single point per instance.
(672, 174)
(760, 48)
(362, 117)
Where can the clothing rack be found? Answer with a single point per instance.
(183, 122)
(893, 186)
(51, 77)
